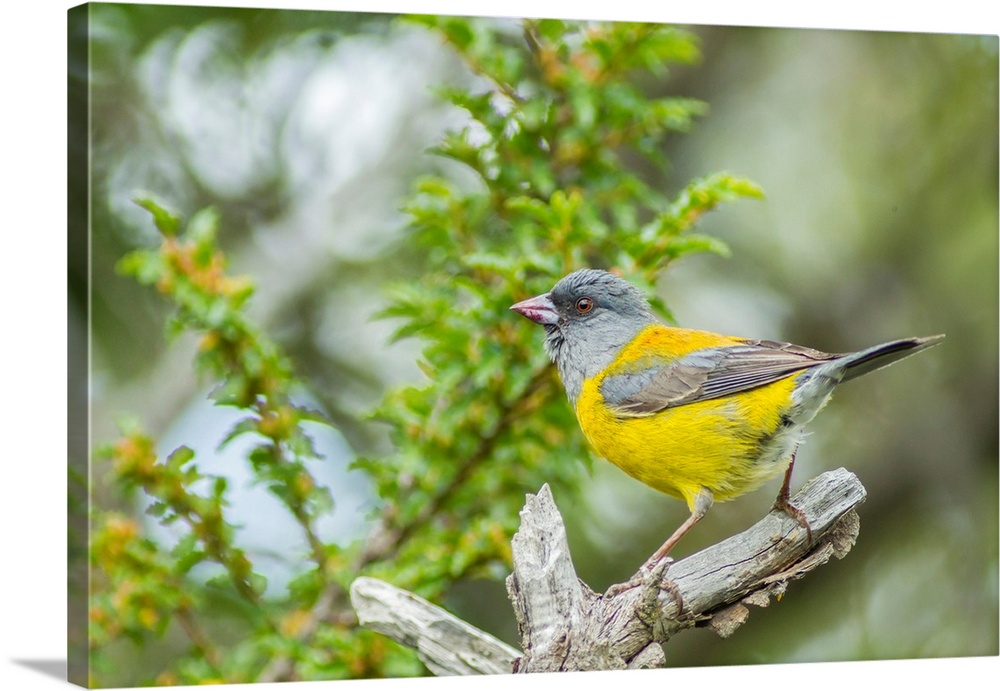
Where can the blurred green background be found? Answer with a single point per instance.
(878, 154)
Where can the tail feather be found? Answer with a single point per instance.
(882, 355)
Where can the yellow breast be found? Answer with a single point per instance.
(729, 445)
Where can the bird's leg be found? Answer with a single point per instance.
(655, 564)
(702, 503)
(699, 507)
(782, 503)
(675, 538)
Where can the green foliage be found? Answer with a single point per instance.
(546, 137)
(557, 110)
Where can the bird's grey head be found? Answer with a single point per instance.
(588, 316)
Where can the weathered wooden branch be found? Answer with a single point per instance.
(564, 625)
(445, 643)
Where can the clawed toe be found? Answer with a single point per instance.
(651, 577)
(675, 592)
(796, 513)
(619, 588)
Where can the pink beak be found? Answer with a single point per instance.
(538, 309)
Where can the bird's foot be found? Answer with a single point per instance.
(651, 578)
(782, 504)
(618, 588)
(675, 593)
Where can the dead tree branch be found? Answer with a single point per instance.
(445, 643)
(564, 625)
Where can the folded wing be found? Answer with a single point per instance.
(659, 383)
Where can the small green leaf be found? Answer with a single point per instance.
(459, 32)
(244, 426)
(167, 223)
(157, 509)
(180, 457)
(691, 243)
(551, 29)
(145, 266)
(203, 226)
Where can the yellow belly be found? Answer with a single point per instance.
(729, 445)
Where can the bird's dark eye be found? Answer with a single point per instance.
(584, 305)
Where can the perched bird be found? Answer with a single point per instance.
(697, 415)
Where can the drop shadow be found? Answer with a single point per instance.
(50, 668)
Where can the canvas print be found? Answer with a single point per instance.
(409, 345)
